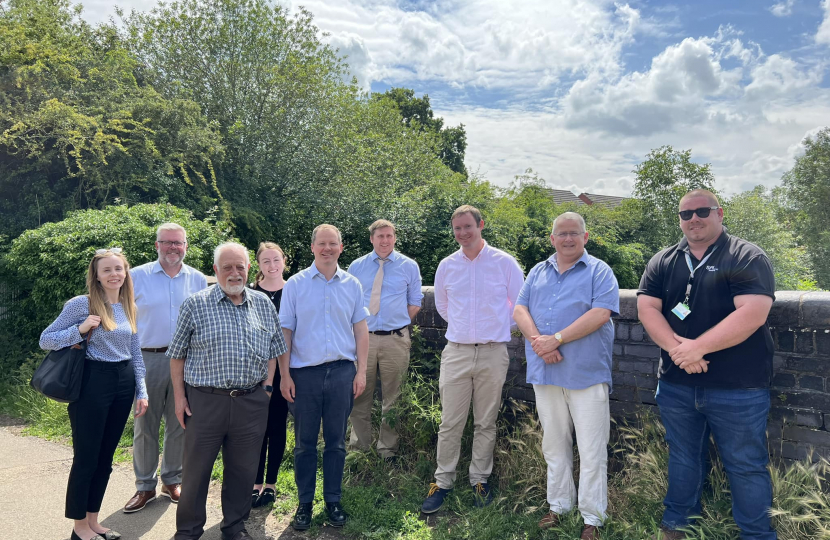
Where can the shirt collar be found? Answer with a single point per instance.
(392, 256)
(683, 245)
(583, 259)
(483, 252)
(315, 272)
(158, 268)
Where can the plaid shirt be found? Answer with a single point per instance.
(225, 345)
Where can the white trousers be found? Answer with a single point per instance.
(561, 411)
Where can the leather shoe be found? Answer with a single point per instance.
(551, 519)
(172, 491)
(242, 535)
(336, 516)
(111, 535)
(668, 534)
(75, 536)
(139, 501)
(589, 532)
(302, 517)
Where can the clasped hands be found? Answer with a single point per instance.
(688, 356)
(547, 347)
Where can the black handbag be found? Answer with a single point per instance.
(60, 375)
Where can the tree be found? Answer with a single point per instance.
(417, 113)
(58, 254)
(753, 216)
(807, 187)
(79, 130)
(662, 180)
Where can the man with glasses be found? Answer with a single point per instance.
(475, 291)
(705, 302)
(564, 312)
(160, 288)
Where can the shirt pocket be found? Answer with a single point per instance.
(261, 341)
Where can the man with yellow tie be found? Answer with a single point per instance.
(392, 293)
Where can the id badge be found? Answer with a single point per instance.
(681, 310)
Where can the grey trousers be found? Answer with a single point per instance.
(146, 439)
(237, 426)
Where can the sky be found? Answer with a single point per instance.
(581, 90)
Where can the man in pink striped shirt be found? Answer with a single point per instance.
(475, 291)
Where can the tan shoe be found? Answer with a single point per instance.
(668, 534)
(172, 491)
(589, 532)
(551, 519)
(139, 501)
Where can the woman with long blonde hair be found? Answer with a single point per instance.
(113, 377)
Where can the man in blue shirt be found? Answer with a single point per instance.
(324, 323)
(160, 288)
(564, 311)
(392, 294)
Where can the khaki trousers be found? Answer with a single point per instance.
(469, 373)
(389, 360)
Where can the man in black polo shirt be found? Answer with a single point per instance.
(705, 302)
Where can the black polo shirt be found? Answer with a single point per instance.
(736, 267)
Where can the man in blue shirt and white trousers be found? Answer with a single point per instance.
(564, 312)
(392, 292)
(324, 323)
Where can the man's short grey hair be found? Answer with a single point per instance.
(230, 245)
(324, 227)
(570, 215)
(170, 227)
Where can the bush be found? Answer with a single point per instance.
(47, 266)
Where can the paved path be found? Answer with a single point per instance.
(33, 475)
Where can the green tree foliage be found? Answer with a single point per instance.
(47, 266)
(753, 216)
(807, 187)
(662, 179)
(79, 129)
(417, 113)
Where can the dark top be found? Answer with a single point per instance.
(275, 297)
(736, 267)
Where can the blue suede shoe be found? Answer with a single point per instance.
(482, 494)
(435, 499)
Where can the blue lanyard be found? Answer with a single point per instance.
(692, 272)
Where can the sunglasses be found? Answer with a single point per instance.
(115, 250)
(702, 212)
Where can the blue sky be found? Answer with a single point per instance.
(581, 90)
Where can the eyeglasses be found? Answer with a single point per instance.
(115, 250)
(702, 212)
(168, 243)
(569, 234)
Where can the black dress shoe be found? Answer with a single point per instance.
(337, 517)
(75, 536)
(254, 498)
(302, 517)
(266, 499)
(242, 535)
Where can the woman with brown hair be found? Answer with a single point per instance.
(270, 281)
(113, 376)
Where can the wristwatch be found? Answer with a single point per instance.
(268, 388)
(559, 337)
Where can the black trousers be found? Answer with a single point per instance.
(236, 425)
(97, 420)
(274, 443)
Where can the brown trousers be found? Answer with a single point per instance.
(237, 426)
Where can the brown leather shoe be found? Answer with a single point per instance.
(242, 535)
(589, 532)
(172, 491)
(551, 519)
(668, 534)
(139, 501)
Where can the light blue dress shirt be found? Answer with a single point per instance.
(555, 301)
(320, 314)
(401, 288)
(158, 298)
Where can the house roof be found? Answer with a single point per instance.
(609, 201)
(560, 196)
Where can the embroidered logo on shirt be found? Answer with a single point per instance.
(711, 268)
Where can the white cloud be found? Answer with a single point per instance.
(823, 34)
(777, 76)
(782, 9)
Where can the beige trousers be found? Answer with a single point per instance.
(562, 411)
(469, 373)
(389, 360)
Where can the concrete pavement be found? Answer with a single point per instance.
(33, 474)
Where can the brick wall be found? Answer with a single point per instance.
(800, 416)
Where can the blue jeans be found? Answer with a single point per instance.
(323, 393)
(737, 420)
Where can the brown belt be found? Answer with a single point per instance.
(156, 350)
(233, 392)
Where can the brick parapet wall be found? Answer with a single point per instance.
(799, 420)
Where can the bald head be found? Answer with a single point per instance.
(708, 195)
